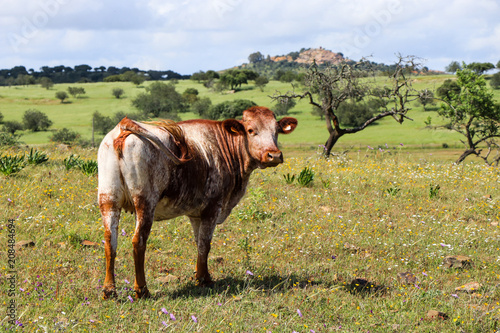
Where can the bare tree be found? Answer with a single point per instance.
(328, 88)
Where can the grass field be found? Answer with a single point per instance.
(289, 258)
(77, 113)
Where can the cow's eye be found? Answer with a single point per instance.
(251, 131)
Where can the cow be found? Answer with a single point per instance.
(196, 168)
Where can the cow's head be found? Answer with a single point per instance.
(261, 129)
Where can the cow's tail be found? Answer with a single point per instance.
(128, 126)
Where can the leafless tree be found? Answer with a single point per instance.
(328, 88)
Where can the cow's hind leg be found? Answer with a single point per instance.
(110, 217)
(144, 211)
(203, 232)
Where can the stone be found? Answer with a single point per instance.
(457, 262)
(470, 287)
(24, 243)
(407, 278)
(167, 279)
(88, 243)
(434, 314)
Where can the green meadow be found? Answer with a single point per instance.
(365, 246)
(76, 113)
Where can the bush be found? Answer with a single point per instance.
(354, 114)
(11, 164)
(76, 91)
(229, 109)
(495, 81)
(117, 92)
(12, 126)
(65, 136)
(61, 95)
(283, 106)
(35, 120)
(9, 139)
(160, 100)
(102, 124)
(35, 157)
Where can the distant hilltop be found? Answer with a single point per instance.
(308, 56)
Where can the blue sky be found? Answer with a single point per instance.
(191, 35)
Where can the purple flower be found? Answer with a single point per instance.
(21, 289)
(130, 299)
(8, 199)
(164, 323)
(299, 313)
(172, 316)
(91, 320)
(164, 310)
(194, 319)
(416, 286)
(334, 257)
(401, 144)
(454, 295)
(249, 273)
(126, 281)
(424, 273)
(123, 232)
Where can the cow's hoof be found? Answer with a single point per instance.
(205, 282)
(142, 292)
(108, 292)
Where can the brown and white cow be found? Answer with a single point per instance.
(196, 168)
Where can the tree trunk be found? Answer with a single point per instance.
(332, 140)
(465, 154)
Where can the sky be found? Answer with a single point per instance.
(187, 36)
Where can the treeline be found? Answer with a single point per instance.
(19, 75)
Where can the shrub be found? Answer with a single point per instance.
(102, 124)
(12, 126)
(89, 168)
(9, 139)
(117, 92)
(35, 120)
(283, 105)
(11, 164)
(306, 176)
(61, 95)
(65, 136)
(495, 81)
(354, 114)
(35, 157)
(72, 161)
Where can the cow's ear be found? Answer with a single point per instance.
(287, 125)
(233, 127)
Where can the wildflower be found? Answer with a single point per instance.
(424, 273)
(164, 310)
(123, 232)
(9, 200)
(401, 144)
(249, 273)
(299, 313)
(194, 319)
(126, 281)
(334, 257)
(454, 295)
(130, 299)
(172, 316)
(164, 323)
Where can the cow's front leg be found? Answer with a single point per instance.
(110, 218)
(144, 221)
(203, 240)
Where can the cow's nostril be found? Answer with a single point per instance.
(271, 157)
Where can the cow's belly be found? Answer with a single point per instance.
(166, 209)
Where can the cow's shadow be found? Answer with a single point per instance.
(236, 286)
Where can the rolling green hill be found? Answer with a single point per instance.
(76, 114)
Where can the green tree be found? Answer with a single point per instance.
(46, 82)
(102, 124)
(453, 67)
(448, 89)
(255, 57)
(480, 67)
(261, 81)
(61, 95)
(65, 135)
(201, 106)
(76, 91)
(426, 98)
(495, 81)
(160, 100)
(35, 120)
(229, 109)
(354, 114)
(117, 92)
(12, 126)
(472, 113)
(190, 95)
(283, 105)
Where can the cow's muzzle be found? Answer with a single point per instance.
(271, 158)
